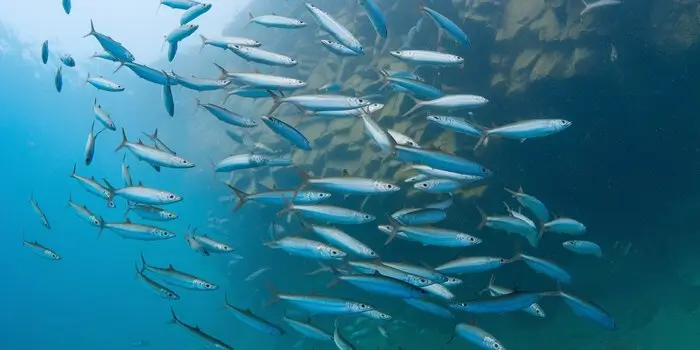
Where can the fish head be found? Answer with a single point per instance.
(300, 23)
(204, 285)
(560, 124)
(185, 163)
(297, 82)
(163, 233)
(452, 281)
(51, 255)
(332, 253)
(292, 61)
(570, 244)
(492, 344)
(359, 102)
(455, 58)
(359, 307)
(419, 281)
(425, 185)
(326, 42)
(385, 229)
(537, 310)
(373, 107)
(95, 220)
(311, 7)
(436, 118)
(169, 294)
(364, 217)
(254, 43)
(168, 197)
(386, 187)
(366, 251)
(400, 54)
(378, 315)
(224, 248)
(463, 237)
(168, 215)
(319, 195)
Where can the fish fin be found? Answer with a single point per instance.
(394, 229)
(92, 30)
(418, 104)
(204, 42)
(305, 177)
(242, 197)
(124, 140)
(174, 319)
(72, 174)
(143, 261)
(585, 3)
(272, 290)
(483, 140)
(222, 70)
(276, 102)
(127, 220)
(322, 268)
(109, 185)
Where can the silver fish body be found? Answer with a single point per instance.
(41, 250)
(259, 55)
(430, 307)
(104, 84)
(170, 276)
(325, 305)
(150, 212)
(547, 268)
(346, 242)
(204, 338)
(451, 102)
(147, 195)
(228, 116)
(419, 216)
(565, 226)
(478, 337)
(275, 21)
(440, 160)
(583, 247)
(472, 265)
(401, 139)
(428, 58)
(154, 156)
(384, 285)
(335, 29)
(332, 214)
(139, 232)
(249, 161)
(287, 132)
(307, 248)
(338, 49)
(102, 116)
(254, 321)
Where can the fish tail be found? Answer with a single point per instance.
(87, 80)
(92, 30)
(276, 102)
(483, 140)
(483, 218)
(70, 199)
(418, 104)
(222, 70)
(488, 287)
(174, 319)
(143, 261)
(121, 64)
(124, 141)
(394, 229)
(242, 196)
(204, 42)
(322, 268)
(275, 294)
(72, 174)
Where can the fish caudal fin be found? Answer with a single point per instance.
(92, 30)
(124, 141)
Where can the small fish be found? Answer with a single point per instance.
(156, 287)
(473, 264)
(111, 46)
(198, 334)
(227, 116)
(584, 247)
(181, 32)
(450, 102)
(92, 186)
(262, 81)
(150, 212)
(90, 144)
(526, 129)
(102, 116)
(428, 58)
(249, 161)
(275, 21)
(547, 268)
(442, 174)
(347, 184)
(533, 204)
(335, 29)
(323, 102)
(86, 214)
(565, 226)
(126, 176)
(200, 84)
(252, 320)
(478, 337)
(343, 240)
(442, 205)
(370, 268)
(307, 329)
(455, 124)
(384, 285)
(447, 26)
(103, 84)
(588, 7)
(139, 232)
(428, 235)
(279, 197)
(440, 291)
(68, 60)
(376, 315)
(105, 56)
(588, 310)
(500, 304)
(338, 49)
(510, 224)
(39, 212)
(170, 276)
(41, 250)
(288, 132)
(416, 88)
(356, 112)
(340, 342)
(255, 274)
(45, 51)
(325, 305)
(258, 55)
(153, 156)
(247, 92)
(147, 195)
(225, 42)
(66, 6)
(430, 307)
(440, 160)
(307, 248)
(208, 245)
(376, 17)
(58, 80)
(193, 12)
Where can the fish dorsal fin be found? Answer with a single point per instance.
(140, 142)
(93, 178)
(520, 189)
(140, 183)
(197, 328)
(128, 221)
(170, 267)
(274, 187)
(274, 14)
(346, 172)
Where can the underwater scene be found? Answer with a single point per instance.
(350, 174)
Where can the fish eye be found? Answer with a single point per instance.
(371, 253)
(398, 52)
(562, 122)
(424, 185)
(389, 186)
(183, 161)
(171, 295)
(334, 252)
(171, 196)
(367, 216)
(484, 170)
(472, 239)
(423, 280)
(363, 306)
(207, 286)
(502, 261)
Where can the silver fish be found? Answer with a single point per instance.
(526, 129)
(102, 116)
(428, 58)
(343, 240)
(275, 21)
(157, 288)
(170, 276)
(258, 55)
(450, 102)
(401, 139)
(588, 7)
(495, 290)
(86, 214)
(41, 250)
(153, 156)
(139, 232)
(104, 84)
(583, 247)
(335, 29)
(208, 245)
(322, 102)
(147, 195)
(256, 322)
(199, 335)
(150, 212)
(307, 248)
(330, 214)
(39, 212)
(225, 42)
(92, 186)
(90, 144)
(325, 305)
(340, 342)
(249, 161)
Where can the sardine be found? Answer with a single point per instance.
(335, 29)
(526, 129)
(583, 247)
(288, 132)
(139, 232)
(39, 212)
(275, 21)
(193, 12)
(102, 116)
(170, 276)
(147, 195)
(258, 55)
(152, 155)
(41, 250)
(227, 116)
(90, 144)
(307, 248)
(428, 58)
(254, 321)
(338, 49)
(199, 335)
(157, 288)
(103, 84)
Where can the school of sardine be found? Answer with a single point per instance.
(348, 259)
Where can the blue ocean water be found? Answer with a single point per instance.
(625, 168)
